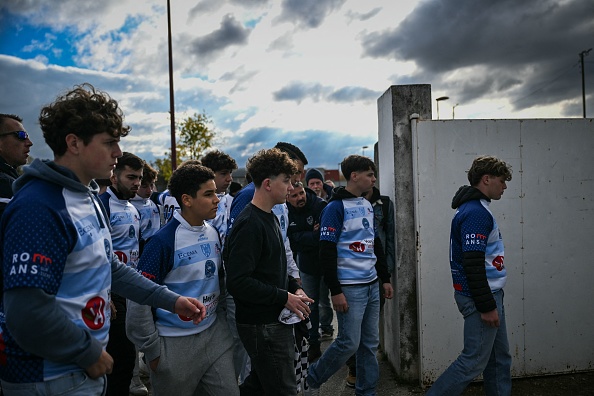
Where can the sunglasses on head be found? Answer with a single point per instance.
(21, 135)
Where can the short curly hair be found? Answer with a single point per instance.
(488, 165)
(83, 111)
(268, 164)
(187, 179)
(218, 161)
(356, 163)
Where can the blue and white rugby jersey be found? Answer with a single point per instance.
(220, 220)
(59, 243)
(474, 229)
(150, 217)
(187, 260)
(125, 227)
(168, 204)
(349, 224)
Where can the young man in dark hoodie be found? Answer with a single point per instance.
(353, 261)
(479, 275)
(59, 266)
(305, 208)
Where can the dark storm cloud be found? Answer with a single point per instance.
(32, 87)
(363, 16)
(308, 13)
(324, 149)
(353, 94)
(298, 92)
(213, 5)
(528, 50)
(230, 33)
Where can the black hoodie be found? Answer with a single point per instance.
(304, 240)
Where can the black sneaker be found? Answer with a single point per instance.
(351, 378)
(326, 335)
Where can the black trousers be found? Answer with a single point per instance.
(122, 351)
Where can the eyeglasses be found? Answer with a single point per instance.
(21, 135)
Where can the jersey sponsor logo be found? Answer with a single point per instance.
(206, 250)
(365, 223)
(283, 223)
(122, 256)
(357, 247)
(475, 239)
(117, 217)
(148, 275)
(209, 268)
(82, 230)
(187, 255)
(107, 245)
(184, 318)
(202, 237)
(134, 256)
(93, 314)
(131, 232)
(368, 242)
(498, 263)
(2, 350)
(27, 263)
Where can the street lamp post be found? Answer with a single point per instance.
(453, 113)
(439, 100)
(171, 100)
(363, 150)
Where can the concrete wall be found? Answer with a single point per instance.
(546, 217)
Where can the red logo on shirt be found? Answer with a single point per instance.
(2, 351)
(122, 256)
(185, 318)
(498, 263)
(357, 247)
(93, 314)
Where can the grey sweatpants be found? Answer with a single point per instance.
(199, 364)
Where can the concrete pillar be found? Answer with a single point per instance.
(400, 341)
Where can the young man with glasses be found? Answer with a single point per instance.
(14, 151)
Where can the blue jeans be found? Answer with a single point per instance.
(358, 332)
(313, 285)
(486, 351)
(272, 351)
(77, 383)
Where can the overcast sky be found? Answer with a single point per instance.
(307, 72)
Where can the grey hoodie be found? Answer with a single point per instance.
(53, 336)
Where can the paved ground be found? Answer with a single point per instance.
(576, 384)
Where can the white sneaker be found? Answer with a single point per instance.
(137, 388)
